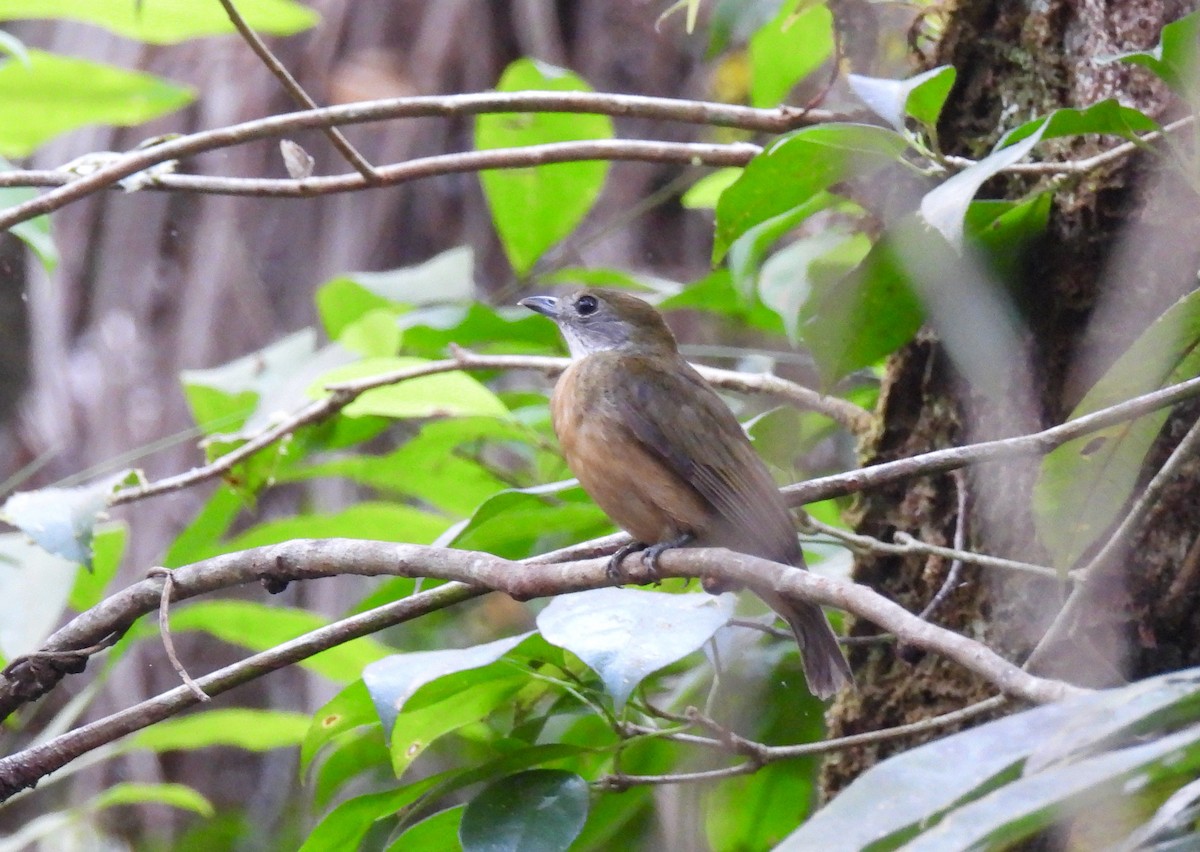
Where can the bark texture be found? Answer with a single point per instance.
(1116, 254)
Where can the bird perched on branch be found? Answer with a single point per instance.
(666, 459)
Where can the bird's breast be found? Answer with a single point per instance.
(629, 483)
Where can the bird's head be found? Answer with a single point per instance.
(597, 319)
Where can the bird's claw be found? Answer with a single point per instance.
(613, 570)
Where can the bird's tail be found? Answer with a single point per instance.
(825, 668)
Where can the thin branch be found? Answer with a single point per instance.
(776, 120)
(758, 754)
(293, 88)
(1081, 597)
(311, 559)
(344, 393)
(960, 545)
(1146, 502)
(679, 153)
(24, 769)
(779, 120)
(1085, 165)
(164, 630)
(952, 458)
(906, 544)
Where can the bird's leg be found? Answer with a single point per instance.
(614, 563)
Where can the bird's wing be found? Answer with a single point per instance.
(680, 419)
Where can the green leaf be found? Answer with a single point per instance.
(465, 699)
(34, 588)
(945, 207)
(346, 824)
(921, 97)
(431, 465)
(853, 322)
(1084, 484)
(448, 277)
(108, 545)
(367, 520)
(747, 252)
(625, 635)
(174, 795)
(788, 278)
(1108, 117)
(437, 395)
(253, 730)
(439, 831)
(393, 681)
(222, 398)
(62, 520)
(1173, 59)
(428, 333)
(165, 21)
(794, 169)
(362, 752)
(518, 523)
(260, 627)
(788, 49)
(53, 94)
(706, 192)
(201, 537)
(542, 810)
(1019, 810)
(351, 708)
(533, 208)
(716, 294)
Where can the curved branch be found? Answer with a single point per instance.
(24, 769)
(342, 394)
(312, 559)
(438, 106)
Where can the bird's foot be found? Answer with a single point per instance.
(614, 563)
(654, 551)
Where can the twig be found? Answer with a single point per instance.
(960, 544)
(437, 106)
(906, 544)
(679, 153)
(758, 754)
(293, 87)
(1085, 165)
(164, 630)
(344, 393)
(311, 559)
(941, 461)
(23, 769)
(1085, 578)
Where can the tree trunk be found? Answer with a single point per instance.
(1112, 260)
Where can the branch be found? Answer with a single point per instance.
(312, 559)
(25, 768)
(776, 120)
(680, 153)
(952, 458)
(1082, 597)
(846, 413)
(293, 87)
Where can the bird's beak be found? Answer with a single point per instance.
(547, 306)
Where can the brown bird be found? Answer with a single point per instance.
(666, 459)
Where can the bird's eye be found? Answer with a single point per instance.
(586, 305)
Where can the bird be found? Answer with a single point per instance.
(666, 459)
